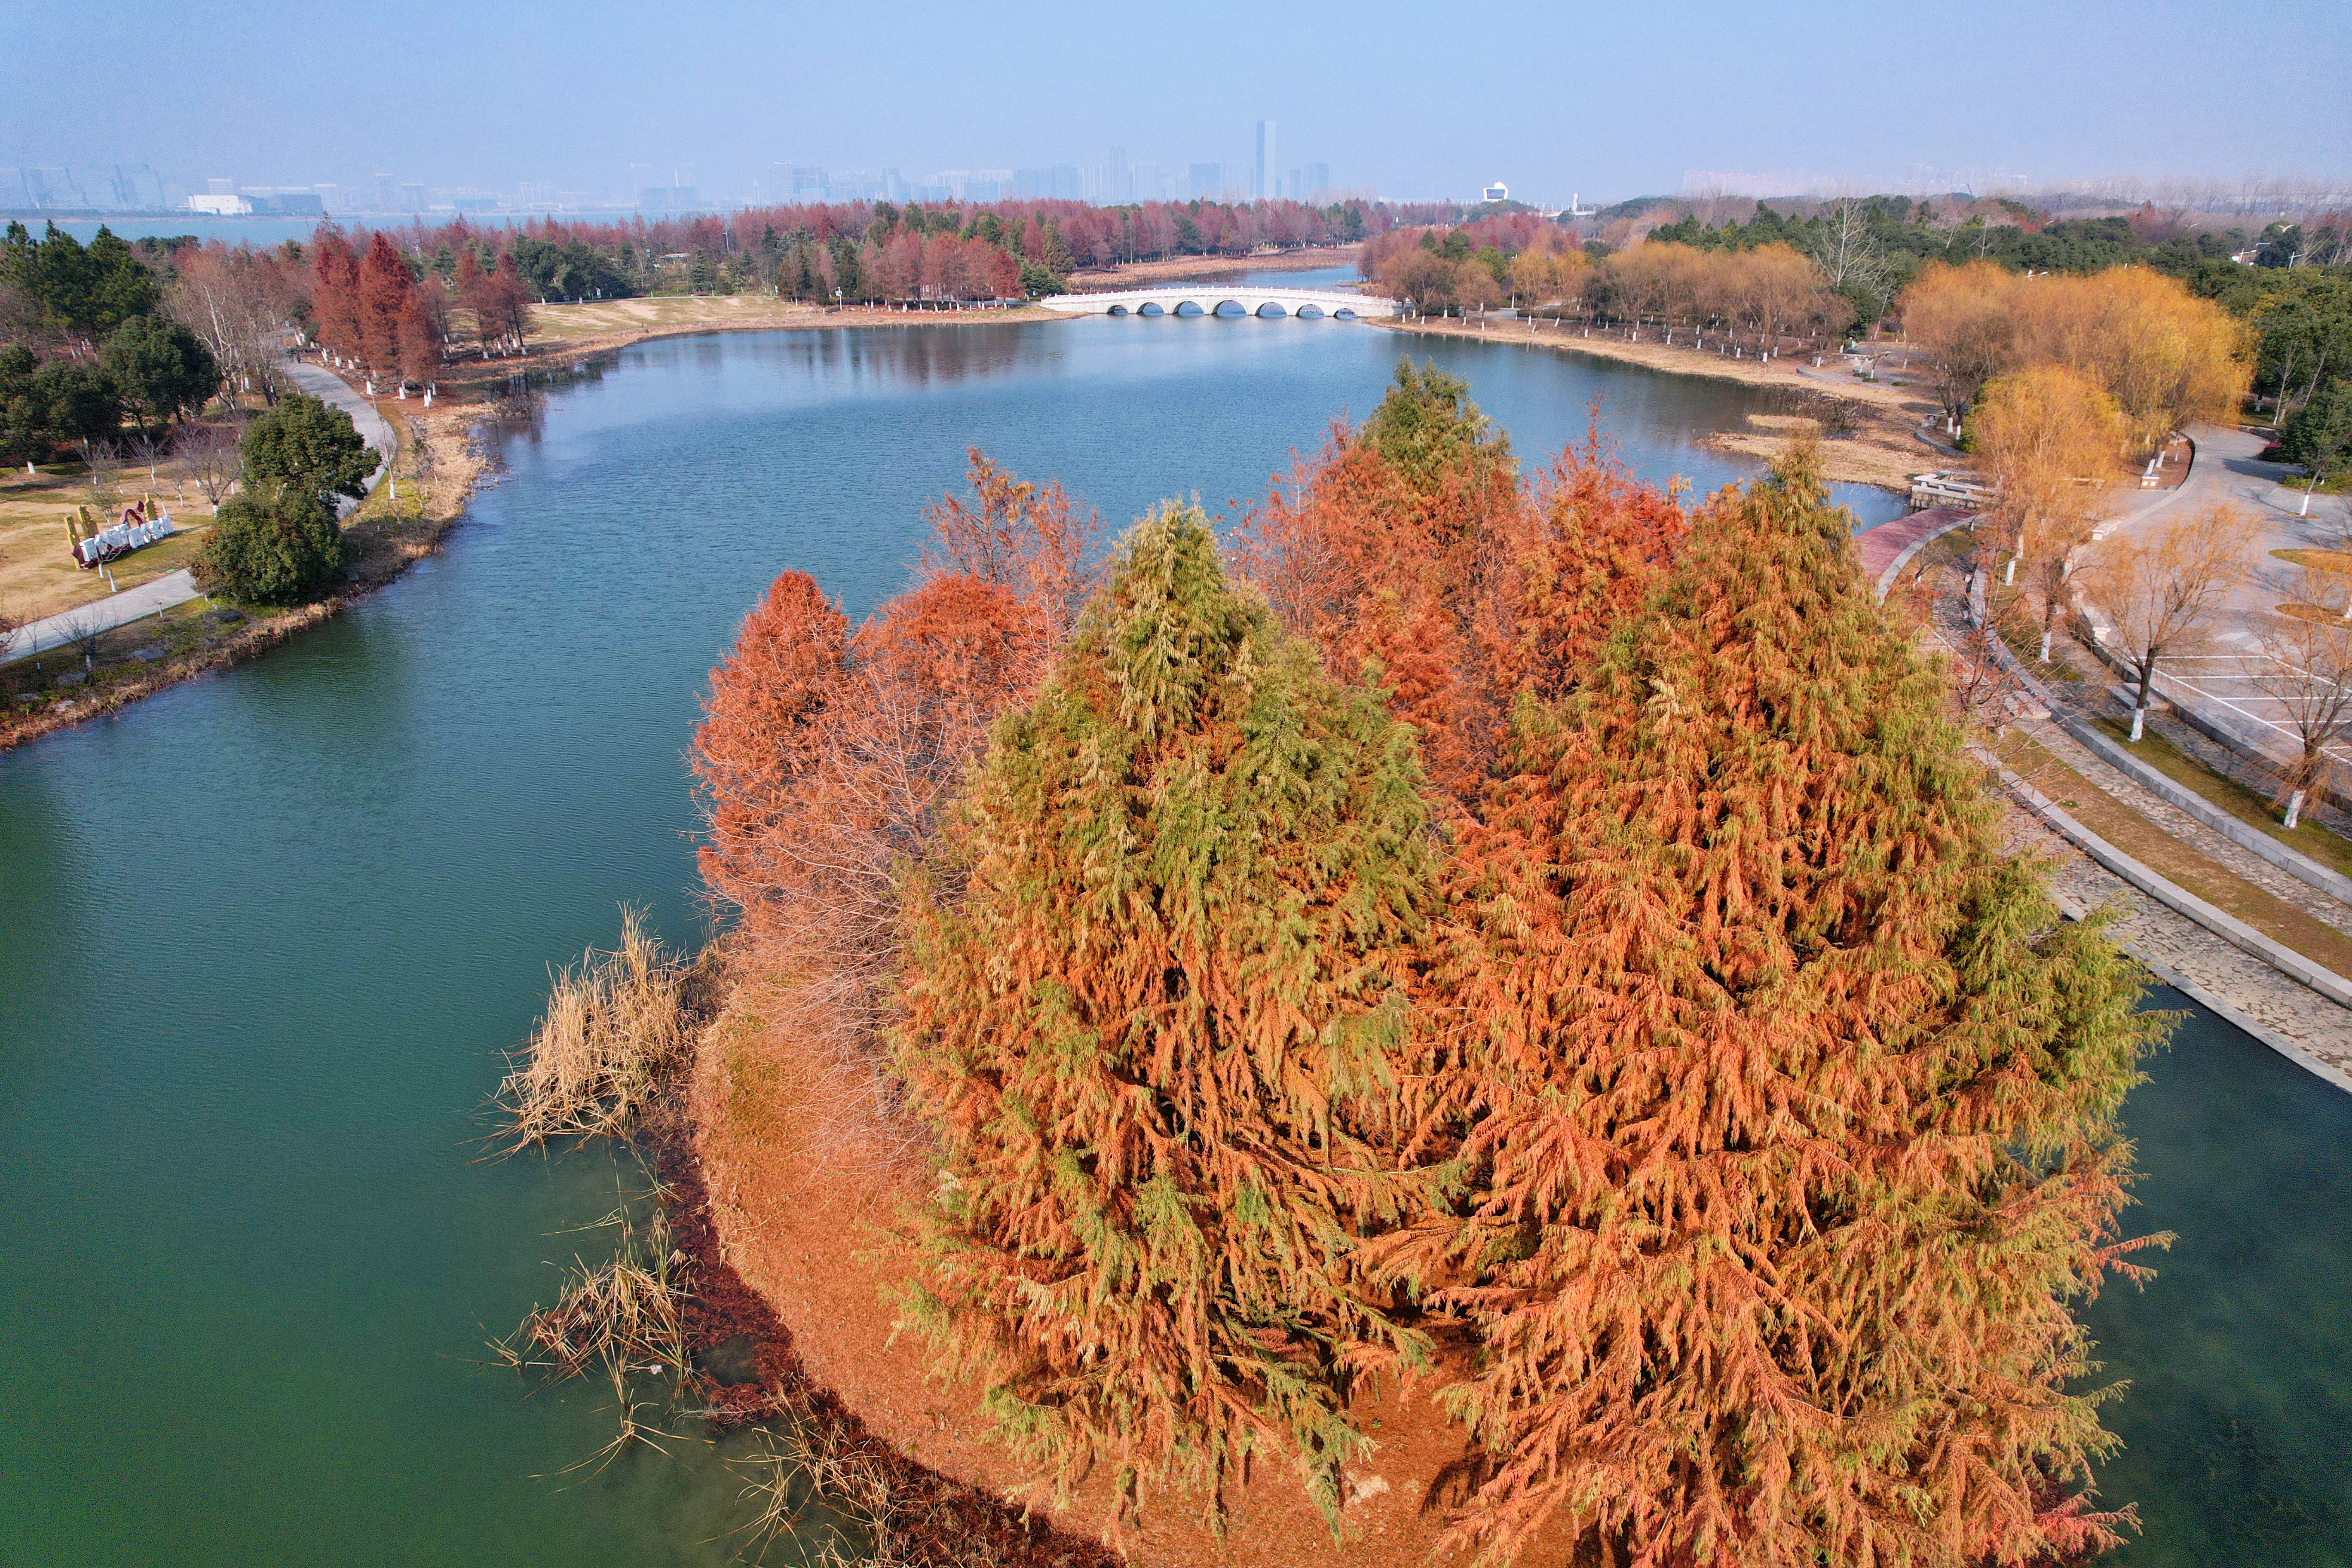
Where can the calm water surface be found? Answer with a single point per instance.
(263, 938)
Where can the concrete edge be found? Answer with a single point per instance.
(2178, 900)
(2254, 841)
(2206, 999)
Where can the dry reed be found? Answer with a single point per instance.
(815, 1474)
(615, 1023)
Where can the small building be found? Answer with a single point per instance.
(1498, 192)
(221, 204)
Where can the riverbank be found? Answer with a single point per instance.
(606, 326)
(807, 1191)
(1871, 425)
(435, 469)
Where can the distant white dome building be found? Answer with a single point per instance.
(1498, 192)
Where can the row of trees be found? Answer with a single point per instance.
(91, 345)
(1522, 917)
(1475, 266)
(1770, 291)
(2163, 354)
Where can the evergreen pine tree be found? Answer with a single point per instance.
(1790, 1103)
(1158, 1036)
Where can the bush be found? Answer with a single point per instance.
(301, 444)
(282, 548)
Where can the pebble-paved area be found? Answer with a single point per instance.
(2247, 866)
(2157, 936)
(2179, 949)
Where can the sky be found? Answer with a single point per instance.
(1607, 101)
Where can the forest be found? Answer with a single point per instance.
(1513, 932)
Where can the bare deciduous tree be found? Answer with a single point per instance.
(213, 460)
(2308, 673)
(2159, 588)
(1847, 252)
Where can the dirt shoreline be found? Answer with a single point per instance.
(1883, 450)
(437, 448)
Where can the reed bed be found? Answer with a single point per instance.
(616, 1025)
(817, 1472)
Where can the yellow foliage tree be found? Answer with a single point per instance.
(2055, 442)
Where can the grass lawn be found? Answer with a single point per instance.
(39, 578)
(2178, 863)
(2332, 850)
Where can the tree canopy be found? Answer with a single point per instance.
(90, 290)
(1159, 1037)
(160, 369)
(279, 546)
(1522, 913)
(306, 447)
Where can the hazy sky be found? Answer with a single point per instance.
(1609, 100)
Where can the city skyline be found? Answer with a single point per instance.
(1615, 103)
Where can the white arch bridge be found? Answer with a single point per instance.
(1210, 298)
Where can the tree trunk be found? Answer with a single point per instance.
(2295, 808)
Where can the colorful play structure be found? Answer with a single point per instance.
(142, 522)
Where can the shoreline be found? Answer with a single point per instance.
(437, 449)
(441, 443)
(1882, 451)
(1182, 268)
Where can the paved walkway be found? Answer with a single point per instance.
(1888, 548)
(149, 598)
(178, 588)
(336, 393)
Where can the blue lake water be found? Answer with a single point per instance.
(264, 936)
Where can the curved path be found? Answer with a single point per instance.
(336, 393)
(178, 588)
(2229, 469)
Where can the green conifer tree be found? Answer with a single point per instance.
(1788, 1105)
(1158, 1037)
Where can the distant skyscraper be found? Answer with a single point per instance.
(1316, 181)
(387, 193)
(1268, 169)
(1208, 181)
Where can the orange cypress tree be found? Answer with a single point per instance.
(827, 756)
(1158, 1038)
(1788, 1101)
(1409, 553)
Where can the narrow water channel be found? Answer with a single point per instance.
(263, 937)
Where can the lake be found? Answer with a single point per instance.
(265, 936)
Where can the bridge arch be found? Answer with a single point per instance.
(1184, 305)
(1270, 308)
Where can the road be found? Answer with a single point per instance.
(178, 588)
(2229, 469)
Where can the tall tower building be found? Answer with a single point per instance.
(1268, 169)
